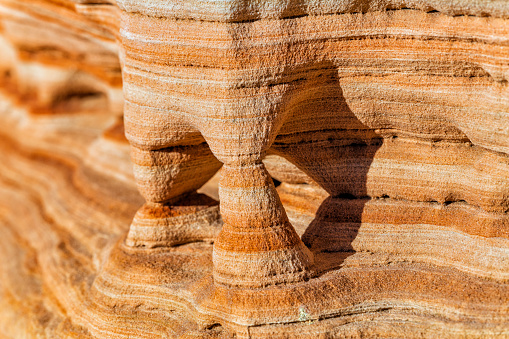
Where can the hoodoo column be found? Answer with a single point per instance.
(257, 245)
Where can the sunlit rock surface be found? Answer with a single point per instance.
(254, 169)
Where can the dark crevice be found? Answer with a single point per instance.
(346, 196)
(79, 96)
(276, 182)
(447, 203)
(214, 326)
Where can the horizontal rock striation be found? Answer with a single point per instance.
(238, 10)
(289, 169)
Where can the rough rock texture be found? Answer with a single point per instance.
(384, 124)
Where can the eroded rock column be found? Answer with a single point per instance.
(171, 158)
(174, 213)
(257, 245)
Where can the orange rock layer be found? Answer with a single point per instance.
(296, 169)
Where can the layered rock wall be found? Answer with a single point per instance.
(289, 169)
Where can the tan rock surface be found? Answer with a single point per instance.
(384, 123)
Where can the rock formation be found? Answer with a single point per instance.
(290, 169)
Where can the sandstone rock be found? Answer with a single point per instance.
(290, 169)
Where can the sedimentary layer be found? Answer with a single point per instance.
(289, 169)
